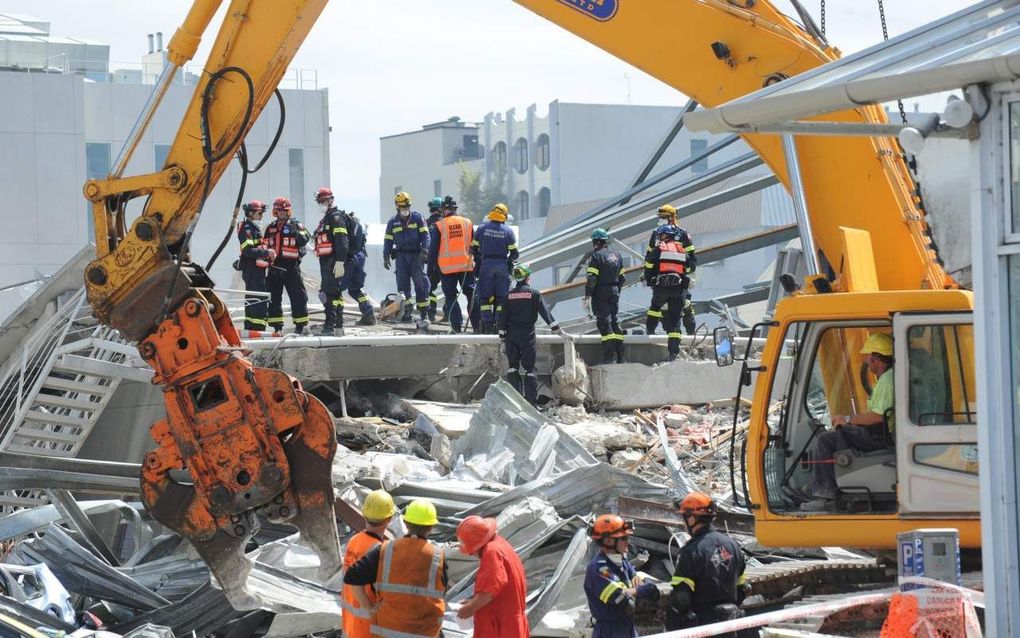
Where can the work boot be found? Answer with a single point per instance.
(327, 331)
(619, 351)
(673, 356)
(422, 326)
(367, 319)
(608, 353)
(408, 311)
(454, 330)
(651, 324)
(299, 329)
(432, 312)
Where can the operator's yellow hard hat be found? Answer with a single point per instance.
(421, 512)
(666, 210)
(879, 343)
(499, 213)
(378, 506)
(402, 199)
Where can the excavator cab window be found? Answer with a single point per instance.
(823, 376)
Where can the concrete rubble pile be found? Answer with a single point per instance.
(542, 475)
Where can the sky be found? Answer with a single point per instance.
(393, 65)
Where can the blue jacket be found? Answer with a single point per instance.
(405, 235)
(494, 240)
(612, 609)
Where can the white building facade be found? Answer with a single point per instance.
(64, 126)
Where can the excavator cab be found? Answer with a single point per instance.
(922, 460)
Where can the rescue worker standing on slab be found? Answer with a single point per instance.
(524, 305)
(450, 256)
(378, 510)
(500, 585)
(332, 245)
(287, 236)
(495, 251)
(431, 271)
(409, 577)
(602, 294)
(354, 274)
(255, 259)
(708, 581)
(407, 242)
(666, 216)
(611, 583)
(665, 270)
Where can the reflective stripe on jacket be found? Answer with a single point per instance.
(409, 584)
(455, 236)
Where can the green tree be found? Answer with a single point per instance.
(477, 200)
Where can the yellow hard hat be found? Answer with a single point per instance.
(499, 213)
(402, 199)
(666, 209)
(378, 506)
(879, 343)
(421, 512)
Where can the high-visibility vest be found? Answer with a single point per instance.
(455, 236)
(284, 245)
(672, 258)
(323, 240)
(409, 584)
(357, 622)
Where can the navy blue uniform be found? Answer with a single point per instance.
(288, 238)
(686, 308)
(254, 262)
(332, 245)
(435, 276)
(524, 305)
(405, 240)
(353, 280)
(611, 608)
(494, 248)
(708, 582)
(605, 277)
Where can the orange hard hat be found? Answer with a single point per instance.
(697, 503)
(474, 532)
(611, 526)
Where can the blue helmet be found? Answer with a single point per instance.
(666, 229)
(435, 203)
(599, 234)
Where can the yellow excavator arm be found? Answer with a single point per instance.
(715, 51)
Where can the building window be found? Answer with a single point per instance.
(542, 152)
(544, 201)
(437, 188)
(470, 149)
(521, 204)
(160, 151)
(698, 147)
(297, 180)
(499, 157)
(97, 160)
(521, 155)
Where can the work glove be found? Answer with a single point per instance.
(271, 254)
(423, 256)
(338, 270)
(386, 263)
(586, 304)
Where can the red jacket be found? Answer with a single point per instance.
(501, 574)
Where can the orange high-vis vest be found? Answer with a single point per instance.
(409, 584)
(672, 258)
(357, 622)
(455, 236)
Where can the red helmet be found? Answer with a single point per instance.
(474, 532)
(281, 203)
(323, 194)
(254, 206)
(611, 526)
(697, 504)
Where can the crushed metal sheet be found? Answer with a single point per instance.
(542, 601)
(172, 577)
(505, 421)
(29, 521)
(450, 419)
(204, 611)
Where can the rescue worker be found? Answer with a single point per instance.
(354, 274)
(708, 581)
(378, 510)
(665, 270)
(611, 583)
(332, 245)
(500, 584)
(524, 305)
(407, 242)
(666, 216)
(255, 259)
(287, 236)
(434, 276)
(495, 251)
(409, 577)
(602, 294)
(450, 256)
